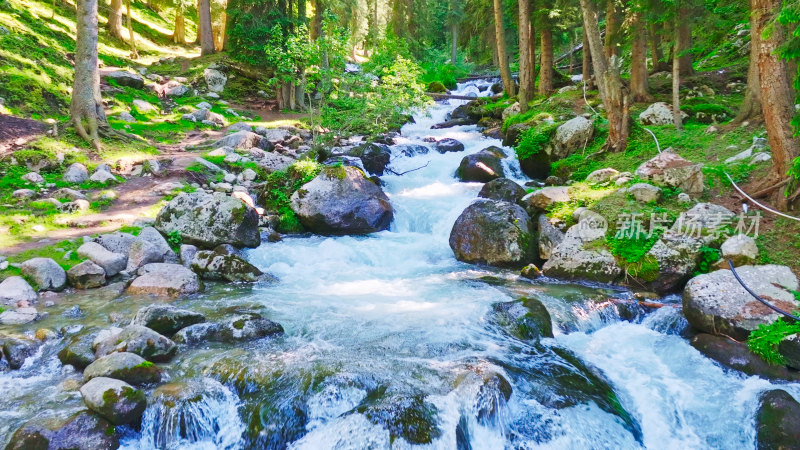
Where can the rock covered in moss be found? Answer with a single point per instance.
(15, 289)
(492, 232)
(340, 200)
(374, 157)
(405, 415)
(239, 328)
(483, 166)
(716, 303)
(76, 173)
(166, 319)
(139, 340)
(165, 280)
(128, 367)
(526, 318)
(84, 430)
(659, 113)
(209, 220)
(115, 400)
(777, 421)
(571, 136)
(738, 356)
(17, 349)
(78, 352)
(211, 265)
(46, 273)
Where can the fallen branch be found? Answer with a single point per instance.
(407, 171)
(766, 191)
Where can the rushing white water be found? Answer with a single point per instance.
(395, 311)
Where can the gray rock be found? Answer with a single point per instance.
(153, 237)
(17, 350)
(86, 275)
(741, 249)
(703, 219)
(33, 177)
(684, 198)
(340, 200)
(209, 220)
(777, 421)
(579, 256)
(240, 126)
(111, 263)
(677, 256)
(102, 176)
(375, 157)
(549, 237)
(449, 145)
(19, 316)
(492, 232)
(789, 348)
(166, 319)
(15, 289)
(670, 169)
(76, 173)
(247, 327)
(71, 194)
(187, 253)
(128, 367)
(78, 353)
(116, 242)
(125, 78)
(483, 166)
(84, 430)
(243, 140)
(545, 198)
(716, 303)
(658, 113)
(600, 176)
(211, 265)
(144, 107)
(23, 193)
(126, 117)
(203, 105)
(215, 80)
(139, 340)
(570, 136)
(46, 273)
(644, 192)
(115, 400)
(198, 333)
(526, 318)
(175, 89)
(502, 189)
(273, 135)
(165, 280)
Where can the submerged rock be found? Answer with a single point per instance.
(492, 232)
(340, 200)
(84, 430)
(449, 145)
(778, 421)
(78, 353)
(117, 401)
(374, 157)
(209, 220)
(526, 319)
(240, 328)
(407, 416)
(581, 255)
(716, 303)
(17, 350)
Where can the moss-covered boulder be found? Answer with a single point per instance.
(166, 319)
(436, 87)
(502, 189)
(493, 232)
(83, 430)
(405, 415)
(526, 318)
(212, 265)
(778, 421)
(115, 400)
(209, 220)
(139, 340)
(128, 367)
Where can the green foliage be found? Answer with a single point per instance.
(708, 256)
(436, 87)
(174, 239)
(631, 253)
(707, 112)
(281, 185)
(534, 140)
(715, 174)
(764, 340)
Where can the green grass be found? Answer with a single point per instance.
(56, 251)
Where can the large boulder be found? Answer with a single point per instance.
(778, 421)
(549, 237)
(375, 157)
(570, 136)
(741, 249)
(546, 197)
(670, 169)
(84, 430)
(493, 232)
(17, 350)
(166, 319)
(716, 303)
(117, 401)
(215, 80)
(46, 273)
(658, 113)
(209, 220)
(116, 242)
(86, 275)
(483, 166)
(737, 356)
(243, 140)
(14, 290)
(165, 280)
(139, 340)
(580, 255)
(677, 256)
(78, 353)
(128, 367)
(644, 192)
(703, 219)
(340, 200)
(239, 328)
(502, 189)
(125, 78)
(212, 265)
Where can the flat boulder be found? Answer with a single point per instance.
(139, 340)
(716, 303)
(340, 200)
(86, 275)
(670, 169)
(128, 367)
(483, 166)
(658, 113)
(492, 232)
(46, 273)
(212, 265)
(165, 280)
(502, 189)
(546, 197)
(15, 289)
(115, 400)
(208, 220)
(166, 319)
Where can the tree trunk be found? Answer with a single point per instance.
(131, 36)
(612, 29)
(639, 88)
(676, 84)
(219, 38)
(502, 60)
(586, 69)
(607, 76)
(777, 98)
(205, 35)
(315, 32)
(179, 34)
(684, 37)
(454, 19)
(86, 108)
(546, 65)
(751, 105)
(527, 74)
(114, 25)
(659, 65)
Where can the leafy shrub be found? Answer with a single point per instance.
(174, 239)
(534, 140)
(708, 256)
(436, 87)
(281, 185)
(631, 254)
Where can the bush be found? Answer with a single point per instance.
(281, 185)
(534, 140)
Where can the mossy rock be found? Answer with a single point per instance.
(526, 318)
(436, 87)
(407, 416)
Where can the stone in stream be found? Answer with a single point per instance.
(492, 232)
(483, 166)
(84, 430)
(128, 367)
(580, 255)
(449, 145)
(526, 318)
(78, 353)
(716, 303)
(546, 197)
(86, 275)
(789, 348)
(375, 157)
(165, 280)
(778, 421)
(17, 350)
(76, 173)
(239, 328)
(213, 265)
(139, 340)
(736, 355)
(14, 290)
(405, 415)
(186, 254)
(502, 189)
(19, 316)
(46, 273)
(117, 401)
(142, 253)
(549, 237)
(112, 263)
(208, 220)
(166, 319)
(340, 200)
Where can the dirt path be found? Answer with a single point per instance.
(16, 132)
